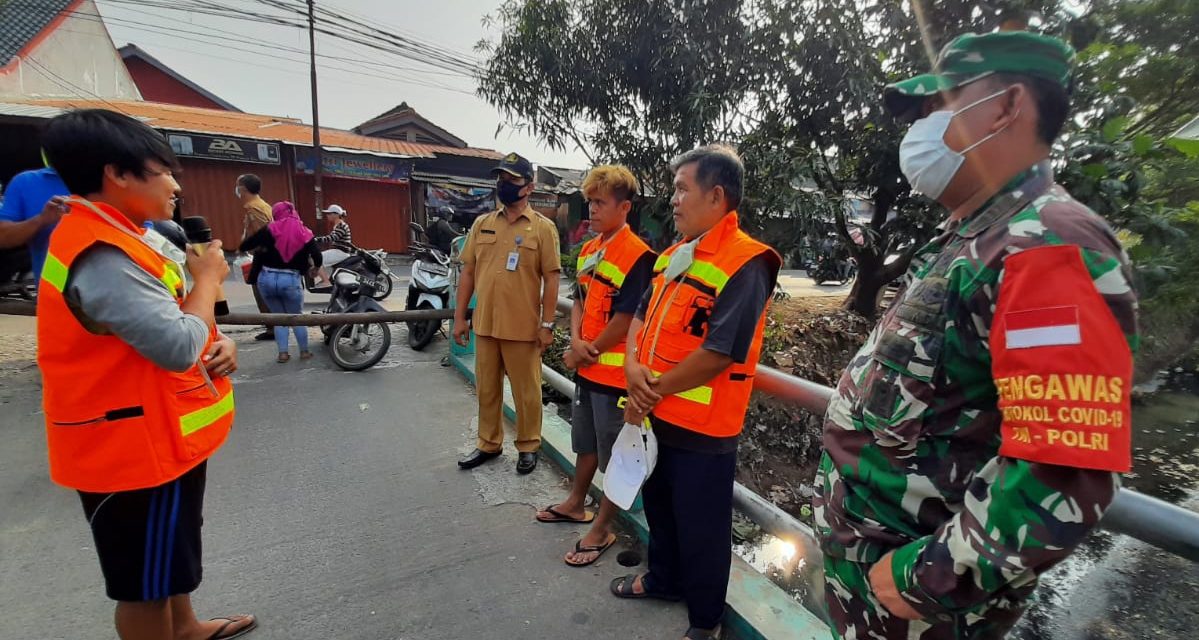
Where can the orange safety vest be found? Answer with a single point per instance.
(116, 421)
(599, 284)
(678, 315)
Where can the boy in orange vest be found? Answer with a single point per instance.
(614, 270)
(135, 374)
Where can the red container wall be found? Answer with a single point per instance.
(378, 212)
(208, 191)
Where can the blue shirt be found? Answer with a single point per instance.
(25, 198)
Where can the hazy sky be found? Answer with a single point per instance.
(257, 66)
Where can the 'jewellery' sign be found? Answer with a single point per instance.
(217, 148)
(358, 167)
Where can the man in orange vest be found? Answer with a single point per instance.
(134, 372)
(614, 270)
(692, 353)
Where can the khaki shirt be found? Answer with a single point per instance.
(508, 306)
(258, 215)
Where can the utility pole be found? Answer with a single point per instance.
(316, 116)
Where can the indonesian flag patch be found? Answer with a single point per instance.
(1054, 326)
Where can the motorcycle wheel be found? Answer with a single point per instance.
(355, 347)
(421, 332)
(384, 283)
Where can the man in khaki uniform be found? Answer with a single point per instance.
(257, 215)
(511, 261)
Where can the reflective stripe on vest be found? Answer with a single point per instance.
(661, 262)
(700, 395)
(611, 359)
(200, 418)
(56, 274)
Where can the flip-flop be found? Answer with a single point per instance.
(558, 516)
(231, 620)
(694, 633)
(622, 587)
(579, 548)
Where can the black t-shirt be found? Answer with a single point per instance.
(731, 330)
(626, 300)
(269, 256)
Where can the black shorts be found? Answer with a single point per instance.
(148, 540)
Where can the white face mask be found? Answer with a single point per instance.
(924, 158)
(237, 191)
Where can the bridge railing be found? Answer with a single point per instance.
(1157, 522)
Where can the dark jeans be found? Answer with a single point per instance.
(689, 507)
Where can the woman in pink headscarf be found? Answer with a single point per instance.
(288, 252)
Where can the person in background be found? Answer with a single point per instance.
(257, 214)
(286, 247)
(511, 260)
(976, 438)
(32, 206)
(339, 244)
(136, 390)
(614, 270)
(692, 354)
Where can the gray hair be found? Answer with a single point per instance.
(716, 165)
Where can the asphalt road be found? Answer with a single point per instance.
(335, 510)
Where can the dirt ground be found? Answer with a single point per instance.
(812, 338)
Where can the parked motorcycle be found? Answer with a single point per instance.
(429, 288)
(355, 347)
(369, 264)
(16, 274)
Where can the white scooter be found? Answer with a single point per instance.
(429, 288)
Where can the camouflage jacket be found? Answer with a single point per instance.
(911, 459)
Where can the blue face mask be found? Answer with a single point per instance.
(509, 192)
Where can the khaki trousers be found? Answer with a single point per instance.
(521, 361)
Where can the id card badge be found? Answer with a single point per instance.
(513, 260)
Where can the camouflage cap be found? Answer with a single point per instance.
(973, 56)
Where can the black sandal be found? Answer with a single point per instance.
(623, 588)
(694, 633)
(598, 550)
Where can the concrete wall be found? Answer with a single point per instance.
(75, 59)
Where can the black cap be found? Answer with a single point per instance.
(516, 165)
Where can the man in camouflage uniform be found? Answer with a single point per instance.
(975, 439)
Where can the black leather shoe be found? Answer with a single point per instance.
(526, 462)
(476, 458)
(264, 336)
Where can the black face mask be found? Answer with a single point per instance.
(509, 192)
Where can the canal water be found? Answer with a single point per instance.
(1113, 587)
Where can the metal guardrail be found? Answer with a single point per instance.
(1156, 522)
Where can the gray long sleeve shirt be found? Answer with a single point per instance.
(112, 294)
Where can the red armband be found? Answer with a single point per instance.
(1061, 364)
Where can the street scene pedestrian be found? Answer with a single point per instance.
(338, 244)
(33, 204)
(287, 250)
(692, 352)
(614, 270)
(957, 409)
(256, 215)
(125, 348)
(510, 262)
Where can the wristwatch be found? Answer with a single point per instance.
(547, 325)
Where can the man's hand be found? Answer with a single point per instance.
(642, 396)
(882, 583)
(546, 336)
(570, 359)
(53, 211)
(461, 332)
(633, 415)
(208, 265)
(585, 353)
(221, 359)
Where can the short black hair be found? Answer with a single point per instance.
(1051, 98)
(81, 143)
(716, 165)
(251, 182)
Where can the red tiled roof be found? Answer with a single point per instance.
(260, 127)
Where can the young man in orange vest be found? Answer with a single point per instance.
(614, 270)
(134, 372)
(692, 353)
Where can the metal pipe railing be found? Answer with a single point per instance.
(1157, 522)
